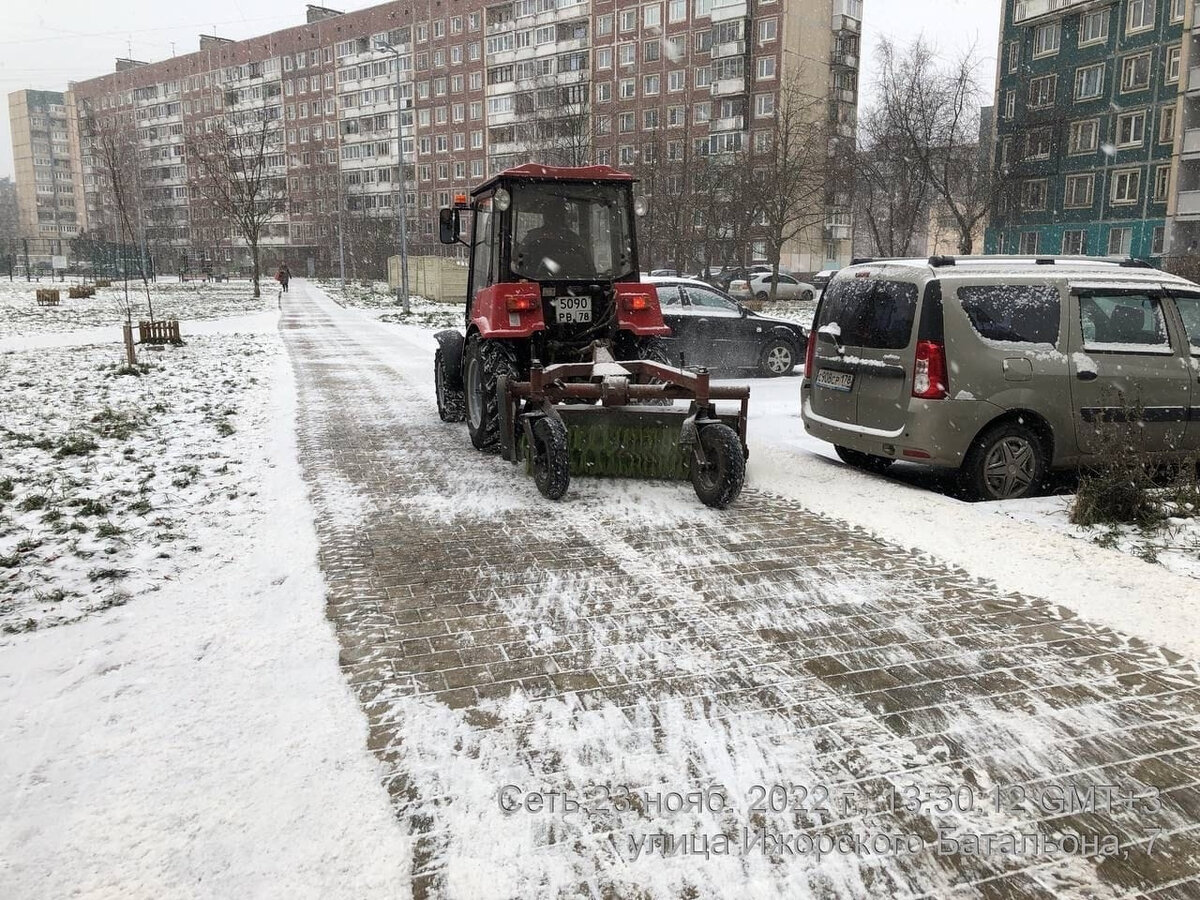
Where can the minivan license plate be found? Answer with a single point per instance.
(571, 310)
(838, 381)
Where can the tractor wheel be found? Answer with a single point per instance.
(719, 479)
(486, 360)
(449, 401)
(778, 357)
(654, 350)
(551, 462)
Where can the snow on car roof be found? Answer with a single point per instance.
(1109, 269)
(675, 279)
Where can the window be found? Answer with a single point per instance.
(768, 30)
(1189, 311)
(628, 19)
(1089, 82)
(1046, 39)
(1166, 125)
(1033, 194)
(1079, 191)
(650, 85)
(1122, 318)
(649, 120)
(677, 80)
(1173, 58)
(1074, 243)
(1093, 27)
(604, 25)
(1126, 185)
(1083, 136)
(652, 16)
(766, 68)
(604, 58)
(1131, 129)
(625, 123)
(651, 51)
(1140, 15)
(627, 54)
(764, 105)
(1014, 57)
(628, 88)
(1162, 183)
(1135, 72)
(1037, 143)
(1120, 241)
(603, 91)
(1010, 104)
(869, 313)
(1029, 243)
(1042, 90)
(1018, 313)
(676, 10)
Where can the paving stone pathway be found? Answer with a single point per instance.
(629, 695)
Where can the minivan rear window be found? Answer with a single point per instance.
(1022, 313)
(867, 312)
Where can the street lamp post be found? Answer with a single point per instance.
(401, 223)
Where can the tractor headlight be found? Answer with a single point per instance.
(640, 208)
(502, 200)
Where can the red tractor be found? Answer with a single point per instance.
(561, 364)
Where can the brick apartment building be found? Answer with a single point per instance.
(482, 86)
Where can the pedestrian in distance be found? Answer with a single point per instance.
(283, 276)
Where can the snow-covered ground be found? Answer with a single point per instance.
(378, 300)
(21, 315)
(106, 478)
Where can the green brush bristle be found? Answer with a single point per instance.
(627, 451)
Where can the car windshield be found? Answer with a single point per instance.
(571, 231)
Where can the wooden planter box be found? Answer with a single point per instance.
(48, 296)
(80, 291)
(164, 331)
(103, 282)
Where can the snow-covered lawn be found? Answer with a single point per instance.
(378, 300)
(105, 478)
(21, 315)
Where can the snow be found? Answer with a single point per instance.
(200, 742)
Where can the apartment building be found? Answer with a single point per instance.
(47, 192)
(479, 86)
(1094, 106)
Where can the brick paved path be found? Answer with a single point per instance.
(629, 639)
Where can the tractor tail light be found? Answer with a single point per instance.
(929, 371)
(522, 302)
(636, 302)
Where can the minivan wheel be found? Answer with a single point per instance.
(1006, 462)
(867, 461)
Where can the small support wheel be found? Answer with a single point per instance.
(551, 462)
(718, 480)
(451, 403)
(866, 461)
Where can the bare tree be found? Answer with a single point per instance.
(892, 193)
(792, 173)
(10, 225)
(935, 106)
(113, 145)
(230, 171)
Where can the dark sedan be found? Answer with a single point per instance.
(710, 328)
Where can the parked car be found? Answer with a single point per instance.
(710, 328)
(821, 280)
(758, 287)
(1002, 368)
(664, 273)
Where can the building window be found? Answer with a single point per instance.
(604, 25)
(1074, 243)
(652, 16)
(1010, 104)
(676, 10)
(628, 88)
(1140, 15)
(1029, 243)
(1046, 39)
(1093, 27)
(1162, 183)
(603, 91)
(1135, 72)
(677, 80)
(627, 54)
(1177, 10)
(764, 105)
(1166, 125)
(1079, 191)
(650, 120)
(1042, 90)
(628, 19)
(651, 51)
(1158, 240)
(650, 85)
(1089, 82)
(1120, 241)
(604, 58)
(1083, 136)
(1033, 194)
(1131, 129)
(768, 29)
(1126, 186)
(1037, 143)
(766, 68)
(1174, 55)
(1014, 57)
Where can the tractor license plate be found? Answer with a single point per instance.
(837, 381)
(572, 310)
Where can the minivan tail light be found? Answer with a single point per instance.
(810, 354)
(929, 371)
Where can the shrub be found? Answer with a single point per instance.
(32, 502)
(1120, 488)
(76, 445)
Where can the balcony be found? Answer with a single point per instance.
(1188, 205)
(732, 123)
(728, 86)
(724, 11)
(732, 48)
(1191, 144)
(1193, 84)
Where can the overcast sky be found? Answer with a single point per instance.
(46, 43)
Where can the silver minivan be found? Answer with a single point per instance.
(1001, 367)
